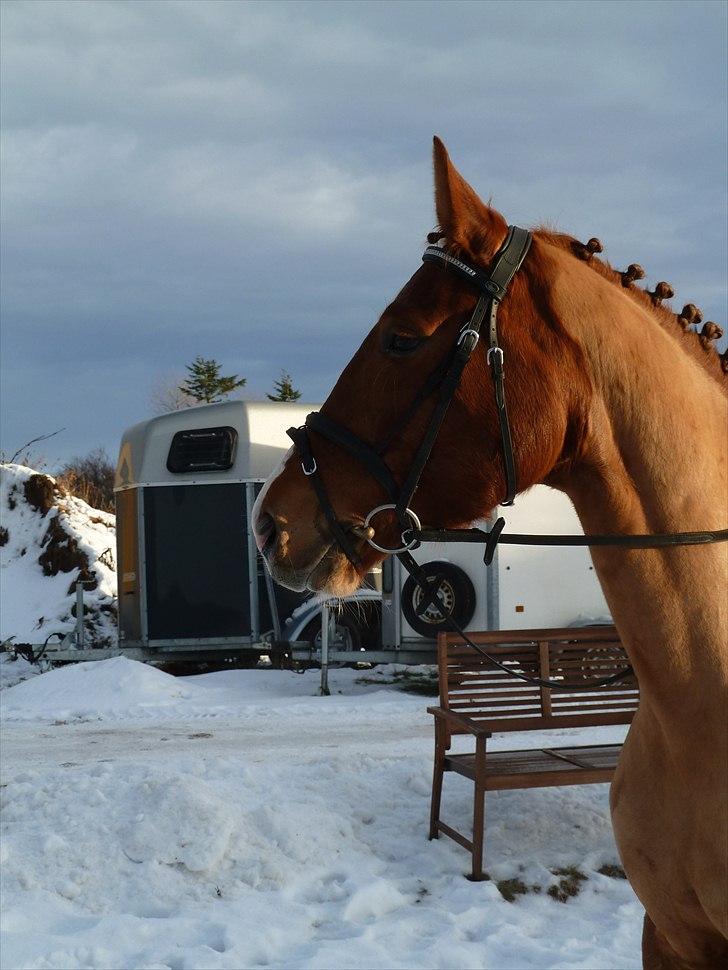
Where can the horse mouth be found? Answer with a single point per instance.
(334, 574)
(330, 572)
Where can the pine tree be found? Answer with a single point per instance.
(205, 383)
(284, 390)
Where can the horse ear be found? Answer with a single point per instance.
(462, 216)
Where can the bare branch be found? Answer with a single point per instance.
(42, 437)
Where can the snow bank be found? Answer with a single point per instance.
(284, 830)
(122, 689)
(47, 541)
(95, 689)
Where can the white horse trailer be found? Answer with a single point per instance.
(191, 581)
(192, 584)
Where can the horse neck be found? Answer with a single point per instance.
(653, 460)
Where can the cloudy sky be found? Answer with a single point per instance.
(252, 181)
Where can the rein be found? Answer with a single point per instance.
(492, 289)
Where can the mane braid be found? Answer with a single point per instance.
(689, 340)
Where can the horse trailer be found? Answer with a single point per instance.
(192, 584)
(190, 577)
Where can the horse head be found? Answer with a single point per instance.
(379, 398)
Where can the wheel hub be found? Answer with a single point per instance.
(445, 595)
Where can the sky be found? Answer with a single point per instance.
(253, 181)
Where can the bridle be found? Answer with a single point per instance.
(492, 288)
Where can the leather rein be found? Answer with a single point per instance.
(492, 288)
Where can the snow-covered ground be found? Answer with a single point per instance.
(40, 549)
(237, 820)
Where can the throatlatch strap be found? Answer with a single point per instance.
(467, 342)
(496, 364)
(494, 286)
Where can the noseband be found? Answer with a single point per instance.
(492, 288)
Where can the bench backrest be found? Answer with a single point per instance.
(472, 686)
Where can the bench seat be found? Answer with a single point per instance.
(545, 767)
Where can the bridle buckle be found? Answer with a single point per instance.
(467, 333)
(496, 352)
(309, 471)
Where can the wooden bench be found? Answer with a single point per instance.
(477, 698)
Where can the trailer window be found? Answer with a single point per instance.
(202, 450)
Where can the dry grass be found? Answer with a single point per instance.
(569, 884)
(90, 478)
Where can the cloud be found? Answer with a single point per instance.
(252, 181)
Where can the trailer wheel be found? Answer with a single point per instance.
(455, 590)
(347, 633)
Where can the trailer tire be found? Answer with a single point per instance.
(346, 628)
(456, 588)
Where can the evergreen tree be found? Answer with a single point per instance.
(205, 385)
(283, 389)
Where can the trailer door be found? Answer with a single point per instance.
(196, 561)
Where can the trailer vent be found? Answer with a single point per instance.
(203, 450)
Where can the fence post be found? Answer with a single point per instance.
(79, 615)
(325, 630)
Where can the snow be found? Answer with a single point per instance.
(35, 605)
(237, 819)
(14, 669)
(94, 690)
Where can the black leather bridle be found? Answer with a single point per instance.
(492, 288)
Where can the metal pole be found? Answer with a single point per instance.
(492, 590)
(325, 629)
(252, 564)
(79, 615)
(271, 591)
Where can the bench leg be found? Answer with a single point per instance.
(437, 773)
(478, 835)
(477, 874)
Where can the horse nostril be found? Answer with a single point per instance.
(264, 529)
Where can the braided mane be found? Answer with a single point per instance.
(689, 339)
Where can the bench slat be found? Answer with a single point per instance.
(596, 696)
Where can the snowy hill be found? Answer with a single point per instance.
(48, 540)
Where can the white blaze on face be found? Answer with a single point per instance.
(260, 539)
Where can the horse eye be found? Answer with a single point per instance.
(400, 344)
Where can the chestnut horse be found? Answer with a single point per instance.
(620, 405)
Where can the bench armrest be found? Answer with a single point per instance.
(471, 726)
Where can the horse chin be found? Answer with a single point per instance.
(328, 572)
(334, 575)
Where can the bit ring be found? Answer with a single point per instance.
(415, 524)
